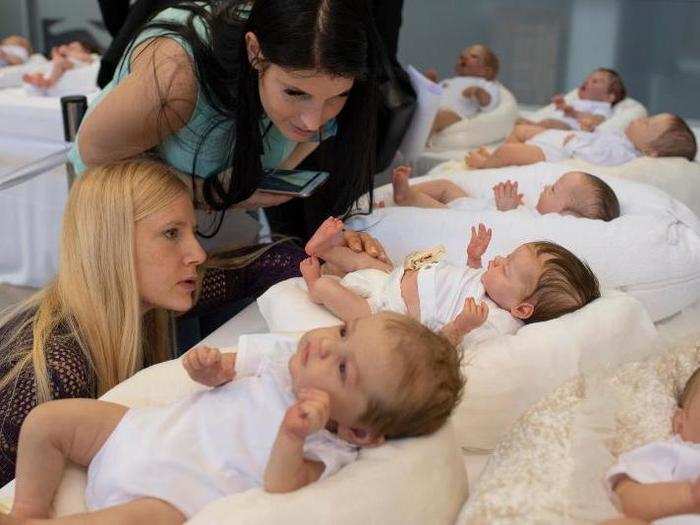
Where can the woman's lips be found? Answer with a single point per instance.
(188, 284)
(303, 132)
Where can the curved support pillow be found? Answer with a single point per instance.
(408, 481)
(624, 112)
(484, 128)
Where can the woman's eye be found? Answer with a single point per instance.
(171, 233)
(342, 331)
(342, 369)
(294, 92)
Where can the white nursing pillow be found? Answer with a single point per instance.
(677, 176)
(652, 251)
(624, 112)
(479, 130)
(412, 481)
(550, 467)
(508, 373)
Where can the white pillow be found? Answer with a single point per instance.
(549, 467)
(286, 307)
(429, 95)
(506, 374)
(409, 481)
(481, 129)
(624, 112)
(662, 234)
(678, 177)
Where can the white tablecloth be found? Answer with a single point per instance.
(30, 214)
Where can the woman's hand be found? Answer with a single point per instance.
(363, 242)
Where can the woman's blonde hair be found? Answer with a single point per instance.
(95, 294)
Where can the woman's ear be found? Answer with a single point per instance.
(522, 311)
(253, 47)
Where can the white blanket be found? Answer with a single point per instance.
(652, 251)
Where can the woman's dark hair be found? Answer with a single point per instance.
(334, 37)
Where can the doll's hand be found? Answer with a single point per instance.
(478, 242)
(470, 92)
(431, 74)
(568, 110)
(558, 101)
(472, 316)
(507, 196)
(209, 366)
(308, 415)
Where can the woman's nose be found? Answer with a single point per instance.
(312, 118)
(195, 254)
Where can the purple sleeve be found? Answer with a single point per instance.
(221, 285)
(70, 376)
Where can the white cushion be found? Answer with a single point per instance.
(508, 373)
(624, 112)
(549, 468)
(678, 177)
(412, 481)
(661, 234)
(481, 129)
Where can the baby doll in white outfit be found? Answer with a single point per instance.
(536, 282)
(660, 482)
(600, 91)
(474, 88)
(281, 413)
(65, 57)
(575, 193)
(662, 135)
(14, 50)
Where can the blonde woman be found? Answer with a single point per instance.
(128, 255)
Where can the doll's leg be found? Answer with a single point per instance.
(443, 119)
(145, 511)
(56, 431)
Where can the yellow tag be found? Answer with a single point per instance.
(421, 258)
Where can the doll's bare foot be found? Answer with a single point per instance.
(477, 159)
(399, 181)
(311, 272)
(329, 235)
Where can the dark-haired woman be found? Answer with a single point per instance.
(224, 89)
